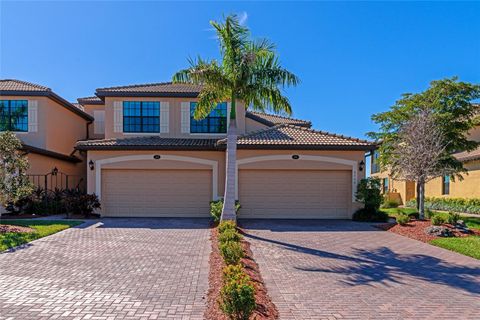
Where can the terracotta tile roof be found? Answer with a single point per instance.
(168, 89)
(273, 119)
(148, 143)
(78, 105)
(468, 156)
(18, 85)
(22, 88)
(90, 100)
(286, 136)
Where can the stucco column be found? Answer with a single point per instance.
(228, 212)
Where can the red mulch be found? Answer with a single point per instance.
(265, 309)
(415, 229)
(5, 228)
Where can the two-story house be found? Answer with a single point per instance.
(48, 126)
(154, 159)
(469, 187)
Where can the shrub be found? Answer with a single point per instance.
(390, 203)
(78, 202)
(368, 192)
(232, 272)
(453, 218)
(370, 215)
(438, 219)
(229, 235)
(231, 252)
(225, 225)
(237, 297)
(216, 209)
(451, 204)
(402, 219)
(413, 215)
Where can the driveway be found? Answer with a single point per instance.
(348, 270)
(125, 269)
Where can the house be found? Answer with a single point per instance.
(469, 187)
(48, 126)
(155, 159)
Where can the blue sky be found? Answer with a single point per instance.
(354, 59)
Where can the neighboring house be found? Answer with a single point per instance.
(48, 126)
(469, 187)
(156, 160)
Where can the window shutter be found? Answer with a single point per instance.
(32, 116)
(185, 108)
(99, 124)
(117, 116)
(229, 108)
(164, 117)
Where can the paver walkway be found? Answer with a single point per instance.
(348, 270)
(126, 269)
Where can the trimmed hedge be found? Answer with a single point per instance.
(450, 204)
(216, 208)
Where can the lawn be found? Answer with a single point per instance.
(469, 246)
(42, 229)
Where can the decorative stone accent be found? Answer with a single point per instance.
(439, 231)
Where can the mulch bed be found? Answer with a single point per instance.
(265, 309)
(5, 228)
(415, 229)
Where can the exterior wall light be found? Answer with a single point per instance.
(54, 171)
(91, 165)
(156, 157)
(361, 165)
(295, 157)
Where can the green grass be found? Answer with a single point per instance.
(469, 246)
(472, 222)
(42, 228)
(393, 212)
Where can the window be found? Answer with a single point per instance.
(14, 115)
(215, 122)
(385, 185)
(141, 116)
(446, 185)
(375, 166)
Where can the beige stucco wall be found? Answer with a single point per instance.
(474, 134)
(90, 109)
(469, 187)
(174, 118)
(252, 125)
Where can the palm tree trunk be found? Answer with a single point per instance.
(228, 212)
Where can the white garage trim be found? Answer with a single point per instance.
(351, 163)
(99, 163)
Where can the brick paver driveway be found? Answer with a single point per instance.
(348, 270)
(126, 269)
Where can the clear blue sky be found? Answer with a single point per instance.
(354, 59)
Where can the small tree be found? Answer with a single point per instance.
(14, 183)
(368, 193)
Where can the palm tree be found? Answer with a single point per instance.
(249, 71)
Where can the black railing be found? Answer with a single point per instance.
(56, 180)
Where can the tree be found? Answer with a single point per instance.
(249, 71)
(14, 183)
(446, 108)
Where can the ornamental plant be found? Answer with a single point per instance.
(231, 252)
(237, 296)
(14, 182)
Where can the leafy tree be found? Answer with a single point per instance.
(14, 183)
(445, 108)
(249, 71)
(369, 193)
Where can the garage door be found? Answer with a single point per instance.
(299, 194)
(156, 193)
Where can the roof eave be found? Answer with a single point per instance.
(139, 148)
(104, 94)
(305, 147)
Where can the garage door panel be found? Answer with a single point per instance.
(295, 193)
(156, 193)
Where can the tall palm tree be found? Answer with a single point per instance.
(249, 71)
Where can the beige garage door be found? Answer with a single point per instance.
(156, 193)
(295, 194)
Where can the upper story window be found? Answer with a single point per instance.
(446, 185)
(385, 185)
(215, 122)
(141, 116)
(14, 115)
(375, 165)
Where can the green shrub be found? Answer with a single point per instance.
(390, 203)
(450, 204)
(231, 252)
(370, 215)
(229, 235)
(237, 297)
(232, 272)
(438, 219)
(402, 219)
(413, 215)
(453, 218)
(225, 225)
(368, 193)
(216, 208)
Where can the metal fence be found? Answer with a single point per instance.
(56, 180)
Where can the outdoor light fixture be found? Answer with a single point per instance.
(54, 171)
(361, 165)
(156, 157)
(295, 157)
(91, 165)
